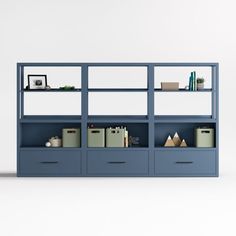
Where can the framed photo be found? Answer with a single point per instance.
(37, 81)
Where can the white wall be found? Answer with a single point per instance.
(119, 31)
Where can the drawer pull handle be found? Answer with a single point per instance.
(49, 162)
(184, 162)
(116, 162)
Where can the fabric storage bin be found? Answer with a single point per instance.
(116, 137)
(204, 137)
(71, 137)
(96, 137)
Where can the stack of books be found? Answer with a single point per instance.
(193, 81)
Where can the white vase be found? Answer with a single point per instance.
(200, 86)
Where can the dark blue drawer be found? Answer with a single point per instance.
(117, 163)
(50, 163)
(185, 162)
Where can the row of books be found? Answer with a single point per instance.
(193, 81)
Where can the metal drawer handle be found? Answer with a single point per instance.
(49, 162)
(184, 162)
(116, 162)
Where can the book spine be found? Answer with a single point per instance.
(195, 81)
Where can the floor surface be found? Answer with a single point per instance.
(117, 206)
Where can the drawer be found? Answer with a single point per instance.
(185, 162)
(117, 163)
(50, 163)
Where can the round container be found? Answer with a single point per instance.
(55, 142)
(200, 86)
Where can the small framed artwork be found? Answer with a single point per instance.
(37, 81)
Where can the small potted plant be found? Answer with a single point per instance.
(200, 83)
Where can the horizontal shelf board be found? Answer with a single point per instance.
(121, 119)
(117, 90)
(117, 64)
(48, 148)
(51, 119)
(187, 119)
(116, 148)
(183, 90)
(183, 148)
(49, 90)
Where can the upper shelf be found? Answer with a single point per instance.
(117, 89)
(184, 119)
(50, 119)
(118, 119)
(184, 90)
(50, 90)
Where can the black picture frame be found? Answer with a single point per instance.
(37, 82)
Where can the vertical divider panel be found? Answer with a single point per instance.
(151, 125)
(20, 91)
(84, 116)
(217, 116)
(18, 87)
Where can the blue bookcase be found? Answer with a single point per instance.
(150, 158)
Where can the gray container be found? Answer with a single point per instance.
(204, 137)
(96, 137)
(71, 137)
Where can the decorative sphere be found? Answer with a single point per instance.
(48, 144)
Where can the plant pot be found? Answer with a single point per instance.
(200, 86)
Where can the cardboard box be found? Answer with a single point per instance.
(170, 85)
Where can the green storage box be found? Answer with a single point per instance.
(204, 137)
(96, 137)
(71, 137)
(116, 137)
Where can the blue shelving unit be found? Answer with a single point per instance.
(149, 159)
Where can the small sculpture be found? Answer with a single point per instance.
(176, 139)
(183, 143)
(169, 142)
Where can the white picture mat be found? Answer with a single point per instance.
(181, 75)
(52, 103)
(117, 77)
(185, 103)
(118, 103)
(56, 76)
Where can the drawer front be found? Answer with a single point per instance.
(50, 163)
(117, 163)
(185, 162)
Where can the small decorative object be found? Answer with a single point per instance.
(169, 142)
(37, 82)
(186, 87)
(200, 83)
(192, 81)
(48, 87)
(176, 139)
(170, 86)
(183, 143)
(67, 87)
(134, 141)
(48, 144)
(55, 141)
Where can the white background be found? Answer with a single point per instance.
(117, 31)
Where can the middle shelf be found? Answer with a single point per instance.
(35, 132)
